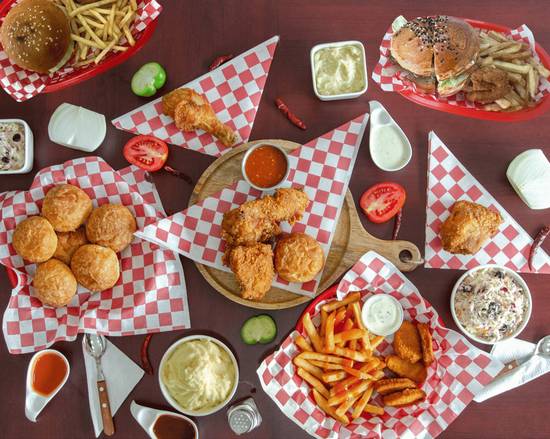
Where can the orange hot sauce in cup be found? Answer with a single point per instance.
(266, 166)
(48, 373)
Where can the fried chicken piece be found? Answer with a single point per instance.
(253, 268)
(468, 227)
(415, 371)
(258, 220)
(488, 85)
(406, 342)
(404, 398)
(390, 385)
(426, 342)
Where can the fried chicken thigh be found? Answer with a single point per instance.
(191, 112)
(468, 227)
(253, 268)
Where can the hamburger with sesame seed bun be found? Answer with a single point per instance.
(36, 36)
(436, 53)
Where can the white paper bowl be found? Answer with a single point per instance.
(172, 401)
(519, 280)
(29, 148)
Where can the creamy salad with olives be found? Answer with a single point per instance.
(12, 146)
(490, 304)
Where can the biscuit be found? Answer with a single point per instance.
(95, 268)
(68, 243)
(54, 283)
(298, 257)
(66, 207)
(34, 239)
(111, 225)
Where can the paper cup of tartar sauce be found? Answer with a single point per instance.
(382, 314)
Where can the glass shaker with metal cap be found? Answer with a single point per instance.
(244, 416)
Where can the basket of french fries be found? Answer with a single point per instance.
(511, 82)
(103, 34)
(335, 378)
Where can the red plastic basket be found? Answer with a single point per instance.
(516, 116)
(327, 294)
(109, 62)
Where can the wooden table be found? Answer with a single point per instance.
(190, 34)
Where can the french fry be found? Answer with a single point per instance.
(346, 405)
(350, 334)
(329, 332)
(543, 71)
(361, 404)
(333, 376)
(374, 409)
(327, 366)
(359, 322)
(83, 8)
(340, 315)
(511, 67)
(324, 316)
(323, 405)
(531, 82)
(358, 373)
(323, 357)
(375, 341)
(306, 365)
(335, 304)
(303, 344)
(352, 392)
(498, 47)
(312, 381)
(516, 78)
(497, 36)
(312, 333)
(354, 355)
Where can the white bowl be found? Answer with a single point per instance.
(519, 280)
(147, 416)
(172, 401)
(245, 158)
(29, 148)
(353, 95)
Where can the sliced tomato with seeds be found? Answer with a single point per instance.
(382, 201)
(147, 152)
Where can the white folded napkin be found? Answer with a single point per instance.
(121, 375)
(508, 351)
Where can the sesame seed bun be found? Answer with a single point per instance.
(36, 35)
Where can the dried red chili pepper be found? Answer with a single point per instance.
(397, 224)
(179, 174)
(539, 239)
(145, 363)
(289, 114)
(219, 61)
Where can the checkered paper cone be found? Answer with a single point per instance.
(234, 90)
(22, 84)
(459, 371)
(323, 167)
(387, 74)
(450, 181)
(150, 295)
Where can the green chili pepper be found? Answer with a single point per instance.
(148, 79)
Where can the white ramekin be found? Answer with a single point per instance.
(29, 148)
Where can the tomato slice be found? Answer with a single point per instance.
(382, 201)
(147, 152)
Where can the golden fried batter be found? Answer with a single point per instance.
(95, 267)
(468, 227)
(171, 100)
(389, 385)
(488, 85)
(66, 207)
(415, 371)
(426, 342)
(406, 342)
(68, 243)
(404, 398)
(34, 239)
(298, 257)
(111, 225)
(253, 268)
(54, 283)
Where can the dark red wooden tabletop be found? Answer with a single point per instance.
(190, 34)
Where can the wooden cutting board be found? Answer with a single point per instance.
(350, 241)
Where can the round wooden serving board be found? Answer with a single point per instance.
(349, 243)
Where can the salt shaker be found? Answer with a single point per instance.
(244, 416)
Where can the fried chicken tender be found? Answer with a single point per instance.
(253, 268)
(404, 398)
(488, 85)
(415, 371)
(426, 342)
(390, 385)
(468, 227)
(406, 342)
(258, 220)
(191, 112)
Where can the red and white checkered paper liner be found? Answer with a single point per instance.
(450, 181)
(150, 295)
(387, 74)
(323, 167)
(22, 84)
(458, 373)
(234, 90)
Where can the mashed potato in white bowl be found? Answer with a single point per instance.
(198, 375)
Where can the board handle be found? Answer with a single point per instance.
(403, 254)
